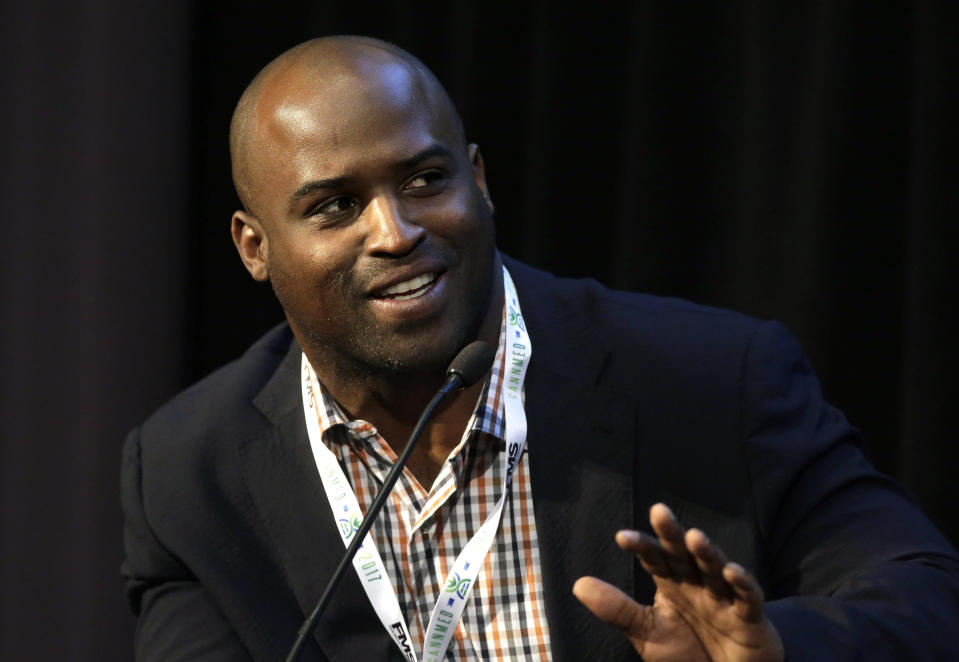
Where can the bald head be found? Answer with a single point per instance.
(320, 71)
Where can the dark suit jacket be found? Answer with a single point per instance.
(630, 400)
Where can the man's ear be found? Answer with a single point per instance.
(479, 173)
(251, 243)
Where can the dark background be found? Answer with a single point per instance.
(795, 161)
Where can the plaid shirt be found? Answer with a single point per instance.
(419, 533)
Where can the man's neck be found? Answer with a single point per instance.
(441, 435)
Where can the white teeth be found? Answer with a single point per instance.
(408, 288)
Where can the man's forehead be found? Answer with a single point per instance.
(302, 102)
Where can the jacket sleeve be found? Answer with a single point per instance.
(853, 570)
(176, 618)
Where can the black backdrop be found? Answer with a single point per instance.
(795, 161)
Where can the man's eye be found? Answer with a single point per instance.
(423, 180)
(335, 206)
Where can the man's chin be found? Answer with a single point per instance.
(401, 356)
(428, 357)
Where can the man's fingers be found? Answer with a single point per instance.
(711, 561)
(672, 536)
(610, 604)
(651, 554)
(749, 595)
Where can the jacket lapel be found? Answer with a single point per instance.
(581, 441)
(294, 513)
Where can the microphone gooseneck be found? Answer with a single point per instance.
(466, 369)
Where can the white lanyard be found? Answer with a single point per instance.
(346, 511)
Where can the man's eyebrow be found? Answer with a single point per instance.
(309, 187)
(433, 150)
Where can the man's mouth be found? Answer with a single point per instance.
(408, 289)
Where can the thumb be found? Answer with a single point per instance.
(610, 604)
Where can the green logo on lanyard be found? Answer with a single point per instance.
(459, 586)
(516, 319)
(350, 526)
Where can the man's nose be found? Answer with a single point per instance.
(390, 231)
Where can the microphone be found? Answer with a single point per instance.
(471, 363)
(465, 370)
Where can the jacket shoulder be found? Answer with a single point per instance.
(630, 320)
(223, 400)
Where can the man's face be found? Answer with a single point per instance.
(377, 234)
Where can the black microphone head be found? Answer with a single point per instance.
(472, 363)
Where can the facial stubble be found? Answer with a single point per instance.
(381, 349)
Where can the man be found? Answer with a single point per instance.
(368, 212)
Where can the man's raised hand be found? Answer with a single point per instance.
(705, 608)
